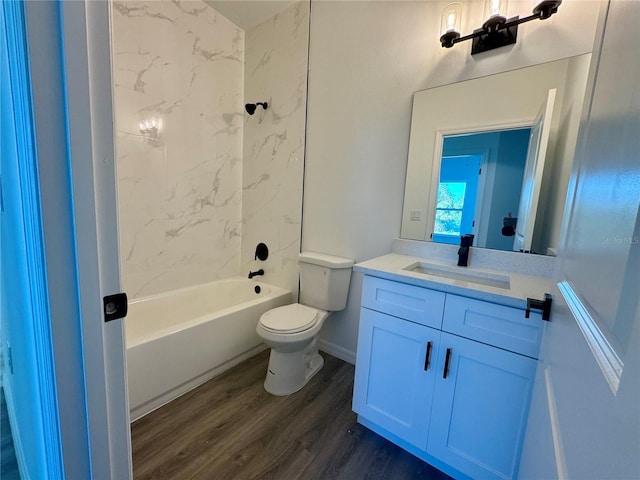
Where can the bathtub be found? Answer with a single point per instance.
(179, 340)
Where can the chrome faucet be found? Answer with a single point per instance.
(466, 241)
(256, 273)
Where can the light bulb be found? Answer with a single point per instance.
(495, 13)
(451, 18)
(494, 8)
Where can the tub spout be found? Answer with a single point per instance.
(256, 273)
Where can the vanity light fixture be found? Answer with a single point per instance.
(497, 31)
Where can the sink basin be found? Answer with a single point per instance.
(460, 273)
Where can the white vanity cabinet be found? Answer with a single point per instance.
(395, 375)
(446, 377)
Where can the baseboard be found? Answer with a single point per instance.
(15, 433)
(337, 351)
(148, 407)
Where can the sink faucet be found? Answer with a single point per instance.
(256, 273)
(466, 241)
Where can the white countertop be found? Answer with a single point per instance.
(521, 286)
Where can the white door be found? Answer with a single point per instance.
(70, 75)
(585, 413)
(534, 167)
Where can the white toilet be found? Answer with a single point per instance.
(292, 331)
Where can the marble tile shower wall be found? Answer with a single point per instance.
(273, 154)
(179, 64)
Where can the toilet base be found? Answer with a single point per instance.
(289, 372)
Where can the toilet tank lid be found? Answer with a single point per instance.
(325, 260)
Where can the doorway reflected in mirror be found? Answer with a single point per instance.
(481, 176)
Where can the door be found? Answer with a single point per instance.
(480, 411)
(68, 56)
(533, 170)
(457, 196)
(585, 413)
(395, 375)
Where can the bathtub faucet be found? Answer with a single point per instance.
(255, 274)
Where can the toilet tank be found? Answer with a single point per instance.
(324, 280)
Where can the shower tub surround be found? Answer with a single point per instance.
(201, 183)
(273, 153)
(179, 340)
(180, 65)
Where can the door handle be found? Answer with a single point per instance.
(447, 360)
(427, 357)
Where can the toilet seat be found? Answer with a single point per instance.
(292, 318)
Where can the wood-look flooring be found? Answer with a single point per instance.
(8, 463)
(230, 428)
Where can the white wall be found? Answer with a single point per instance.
(179, 194)
(366, 60)
(273, 155)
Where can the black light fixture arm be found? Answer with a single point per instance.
(500, 33)
(485, 31)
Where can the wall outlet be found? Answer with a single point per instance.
(415, 215)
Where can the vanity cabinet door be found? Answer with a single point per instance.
(395, 373)
(480, 411)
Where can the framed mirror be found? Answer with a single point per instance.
(491, 156)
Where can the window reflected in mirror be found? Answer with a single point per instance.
(449, 209)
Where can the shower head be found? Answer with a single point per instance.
(251, 107)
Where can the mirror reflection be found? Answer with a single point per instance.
(479, 187)
(492, 156)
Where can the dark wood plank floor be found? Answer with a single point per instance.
(8, 463)
(230, 428)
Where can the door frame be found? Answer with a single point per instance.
(31, 275)
(70, 62)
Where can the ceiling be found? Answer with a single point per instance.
(249, 13)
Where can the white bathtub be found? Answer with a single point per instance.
(179, 340)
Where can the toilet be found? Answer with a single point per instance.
(292, 331)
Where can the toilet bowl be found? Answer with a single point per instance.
(292, 330)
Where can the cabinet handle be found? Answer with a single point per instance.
(447, 360)
(427, 357)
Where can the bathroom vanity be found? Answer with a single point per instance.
(446, 362)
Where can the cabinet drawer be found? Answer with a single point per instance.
(497, 325)
(405, 301)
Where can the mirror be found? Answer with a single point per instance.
(488, 151)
